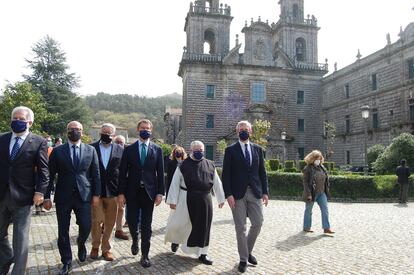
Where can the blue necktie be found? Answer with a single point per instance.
(15, 149)
(246, 155)
(75, 157)
(143, 153)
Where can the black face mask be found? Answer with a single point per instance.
(74, 136)
(106, 139)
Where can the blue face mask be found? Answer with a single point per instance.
(18, 126)
(244, 135)
(144, 134)
(198, 155)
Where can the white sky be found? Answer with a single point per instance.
(135, 46)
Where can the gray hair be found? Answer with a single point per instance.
(243, 122)
(195, 143)
(29, 112)
(109, 125)
(120, 137)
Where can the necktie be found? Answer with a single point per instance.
(246, 155)
(15, 149)
(143, 153)
(75, 157)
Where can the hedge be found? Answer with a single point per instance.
(342, 186)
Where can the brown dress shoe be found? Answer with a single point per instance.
(94, 253)
(108, 256)
(328, 231)
(119, 234)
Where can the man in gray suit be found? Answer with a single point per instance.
(245, 186)
(78, 186)
(24, 177)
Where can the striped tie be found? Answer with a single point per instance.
(15, 149)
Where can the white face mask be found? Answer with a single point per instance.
(317, 162)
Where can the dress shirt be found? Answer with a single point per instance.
(105, 153)
(243, 146)
(21, 140)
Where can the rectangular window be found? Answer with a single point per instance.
(301, 152)
(301, 97)
(411, 112)
(301, 125)
(348, 157)
(346, 90)
(258, 93)
(347, 125)
(411, 69)
(210, 91)
(210, 152)
(374, 82)
(375, 121)
(210, 121)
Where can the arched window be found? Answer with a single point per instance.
(300, 49)
(209, 42)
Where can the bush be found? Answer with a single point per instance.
(289, 164)
(400, 147)
(274, 164)
(342, 186)
(329, 165)
(374, 152)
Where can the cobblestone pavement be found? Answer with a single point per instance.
(369, 239)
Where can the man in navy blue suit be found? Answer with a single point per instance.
(245, 186)
(24, 177)
(78, 185)
(141, 184)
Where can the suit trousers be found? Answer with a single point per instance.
(120, 218)
(145, 206)
(252, 207)
(403, 192)
(20, 217)
(104, 213)
(83, 219)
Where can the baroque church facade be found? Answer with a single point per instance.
(278, 78)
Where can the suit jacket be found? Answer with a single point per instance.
(85, 177)
(27, 173)
(131, 172)
(403, 173)
(237, 175)
(109, 176)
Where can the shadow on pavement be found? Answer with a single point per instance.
(299, 240)
(401, 205)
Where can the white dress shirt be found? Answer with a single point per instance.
(243, 146)
(21, 140)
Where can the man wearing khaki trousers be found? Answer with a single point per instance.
(104, 214)
(245, 186)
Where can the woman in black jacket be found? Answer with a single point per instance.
(177, 156)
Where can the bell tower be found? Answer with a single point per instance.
(295, 34)
(208, 28)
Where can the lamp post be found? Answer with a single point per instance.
(283, 137)
(365, 115)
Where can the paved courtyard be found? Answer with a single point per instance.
(370, 239)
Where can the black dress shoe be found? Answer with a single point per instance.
(252, 259)
(6, 268)
(145, 262)
(174, 247)
(242, 267)
(65, 269)
(134, 247)
(205, 259)
(81, 252)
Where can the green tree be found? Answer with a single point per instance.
(22, 94)
(400, 147)
(221, 146)
(49, 76)
(373, 152)
(260, 132)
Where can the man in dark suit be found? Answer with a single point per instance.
(78, 185)
(141, 183)
(104, 214)
(245, 186)
(24, 177)
(403, 173)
